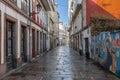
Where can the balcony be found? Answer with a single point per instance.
(77, 3)
(46, 4)
(24, 7)
(14, 1)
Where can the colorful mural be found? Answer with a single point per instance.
(107, 49)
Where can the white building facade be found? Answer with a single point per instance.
(23, 31)
(78, 31)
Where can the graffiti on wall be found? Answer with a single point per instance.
(107, 47)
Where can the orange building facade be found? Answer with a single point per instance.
(102, 8)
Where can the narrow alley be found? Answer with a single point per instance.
(59, 39)
(62, 63)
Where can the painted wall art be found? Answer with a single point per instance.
(107, 48)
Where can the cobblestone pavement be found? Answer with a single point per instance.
(61, 63)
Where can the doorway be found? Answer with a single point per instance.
(41, 42)
(23, 44)
(33, 42)
(0, 37)
(37, 42)
(86, 44)
(10, 45)
(87, 48)
(45, 42)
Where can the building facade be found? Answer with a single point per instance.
(53, 28)
(23, 31)
(75, 23)
(63, 34)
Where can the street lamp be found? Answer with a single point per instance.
(30, 27)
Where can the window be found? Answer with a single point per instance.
(24, 6)
(14, 1)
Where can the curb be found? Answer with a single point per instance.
(10, 72)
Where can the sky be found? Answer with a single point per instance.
(63, 10)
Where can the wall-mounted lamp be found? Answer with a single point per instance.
(39, 7)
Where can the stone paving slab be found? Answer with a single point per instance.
(62, 63)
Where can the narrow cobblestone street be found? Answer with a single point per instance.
(62, 63)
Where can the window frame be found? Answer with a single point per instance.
(24, 6)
